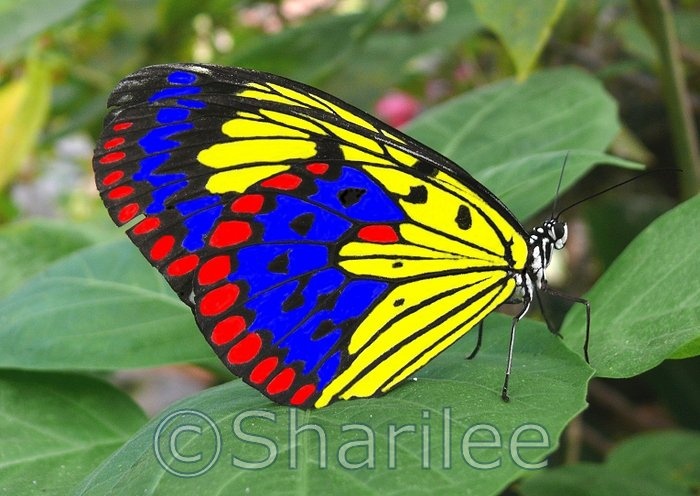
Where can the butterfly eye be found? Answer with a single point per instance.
(560, 232)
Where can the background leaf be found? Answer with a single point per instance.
(523, 27)
(101, 308)
(20, 21)
(654, 464)
(57, 428)
(28, 247)
(545, 373)
(296, 52)
(646, 306)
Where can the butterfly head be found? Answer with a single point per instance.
(544, 239)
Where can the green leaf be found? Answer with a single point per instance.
(463, 394)
(671, 458)
(656, 464)
(514, 136)
(514, 181)
(297, 53)
(646, 306)
(24, 105)
(19, 21)
(100, 308)
(30, 246)
(522, 27)
(57, 428)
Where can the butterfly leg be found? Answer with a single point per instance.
(548, 322)
(476, 349)
(511, 345)
(584, 302)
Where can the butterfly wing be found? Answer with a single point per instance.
(325, 255)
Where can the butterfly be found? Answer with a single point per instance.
(324, 254)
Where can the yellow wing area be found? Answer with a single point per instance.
(264, 142)
(392, 343)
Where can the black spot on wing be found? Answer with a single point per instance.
(418, 195)
(323, 329)
(426, 169)
(328, 301)
(279, 264)
(464, 217)
(295, 300)
(350, 196)
(302, 223)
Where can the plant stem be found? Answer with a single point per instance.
(657, 18)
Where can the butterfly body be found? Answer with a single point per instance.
(324, 254)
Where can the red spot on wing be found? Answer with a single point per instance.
(229, 233)
(227, 330)
(112, 177)
(183, 265)
(219, 299)
(128, 212)
(162, 247)
(317, 168)
(122, 126)
(380, 233)
(285, 181)
(214, 270)
(146, 225)
(113, 143)
(281, 381)
(112, 157)
(245, 350)
(263, 370)
(248, 204)
(120, 192)
(302, 394)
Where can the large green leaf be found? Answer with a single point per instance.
(656, 464)
(514, 136)
(100, 308)
(646, 307)
(523, 27)
(27, 247)
(463, 394)
(57, 428)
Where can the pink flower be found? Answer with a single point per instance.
(397, 108)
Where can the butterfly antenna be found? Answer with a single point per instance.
(646, 173)
(561, 177)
